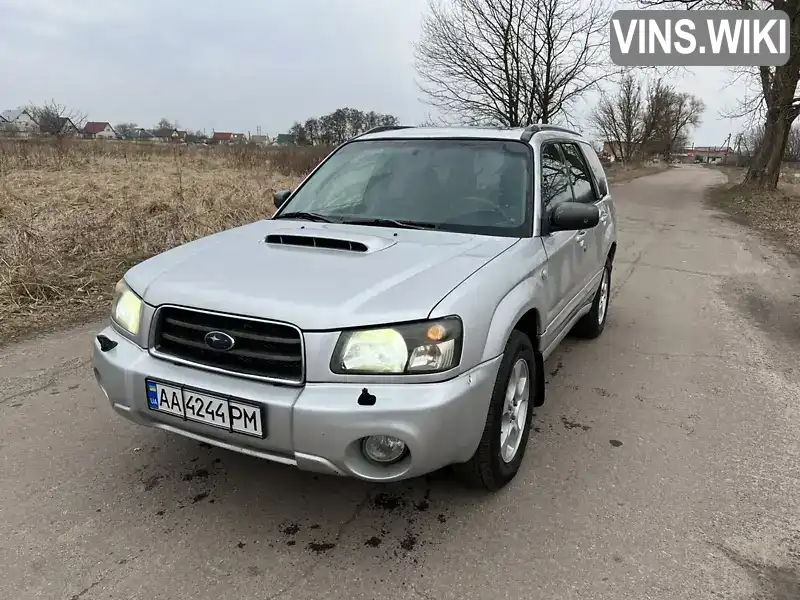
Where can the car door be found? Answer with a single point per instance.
(591, 241)
(564, 254)
(606, 233)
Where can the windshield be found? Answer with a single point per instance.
(469, 186)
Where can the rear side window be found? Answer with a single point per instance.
(597, 168)
(580, 175)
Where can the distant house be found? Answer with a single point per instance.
(181, 135)
(19, 122)
(221, 137)
(62, 126)
(195, 138)
(226, 137)
(285, 139)
(143, 135)
(259, 140)
(166, 135)
(100, 130)
(709, 154)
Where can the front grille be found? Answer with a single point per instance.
(263, 349)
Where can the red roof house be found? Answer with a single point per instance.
(225, 137)
(99, 129)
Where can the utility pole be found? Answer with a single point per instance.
(727, 145)
(738, 148)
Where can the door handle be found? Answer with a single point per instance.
(581, 233)
(582, 244)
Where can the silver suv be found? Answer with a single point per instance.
(391, 318)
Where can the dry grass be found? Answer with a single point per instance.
(73, 219)
(618, 173)
(775, 214)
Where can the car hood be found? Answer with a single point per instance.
(315, 275)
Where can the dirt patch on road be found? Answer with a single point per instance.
(773, 310)
(771, 582)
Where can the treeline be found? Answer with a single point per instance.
(338, 127)
(640, 122)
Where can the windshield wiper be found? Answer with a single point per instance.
(307, 216)
(391, 223)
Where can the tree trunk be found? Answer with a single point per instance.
(765, 166)
(782, 109)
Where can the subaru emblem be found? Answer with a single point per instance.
(219, 340)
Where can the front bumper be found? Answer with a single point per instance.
(317, 427)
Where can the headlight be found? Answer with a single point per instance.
(410, 348)
(126, 308)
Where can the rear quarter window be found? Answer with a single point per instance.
(597, 168)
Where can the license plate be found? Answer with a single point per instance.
(211, 409)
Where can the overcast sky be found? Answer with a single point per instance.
(252, 63)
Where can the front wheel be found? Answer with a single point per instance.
(594, 322)
(508, 422)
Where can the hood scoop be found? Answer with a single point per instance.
(324, 241)
(314, 241)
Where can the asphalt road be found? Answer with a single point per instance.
(665, 463)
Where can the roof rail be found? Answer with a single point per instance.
(385, 128)
(527, 134)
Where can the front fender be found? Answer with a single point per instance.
(493, 300)
(524, 298)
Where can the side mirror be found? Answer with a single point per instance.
(280, 197)
(573, 216)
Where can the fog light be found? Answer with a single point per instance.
(383, 449)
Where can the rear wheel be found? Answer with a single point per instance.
(508, 422)
(594, 322)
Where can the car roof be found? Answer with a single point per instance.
(494, 133)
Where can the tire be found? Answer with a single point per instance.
(594, 322)
(488, 469)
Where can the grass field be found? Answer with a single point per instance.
(75, 216)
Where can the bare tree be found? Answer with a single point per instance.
(618, 119)
(430, 121)
(338, 126)
(792, 152)
(512, 62)
(635, 122)
(298, 132)
(748, 140)
(684, 112)
(166, 124)
(751, 138)
(126, 130)
(311, 131)
(57, 119)
(777, 95)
